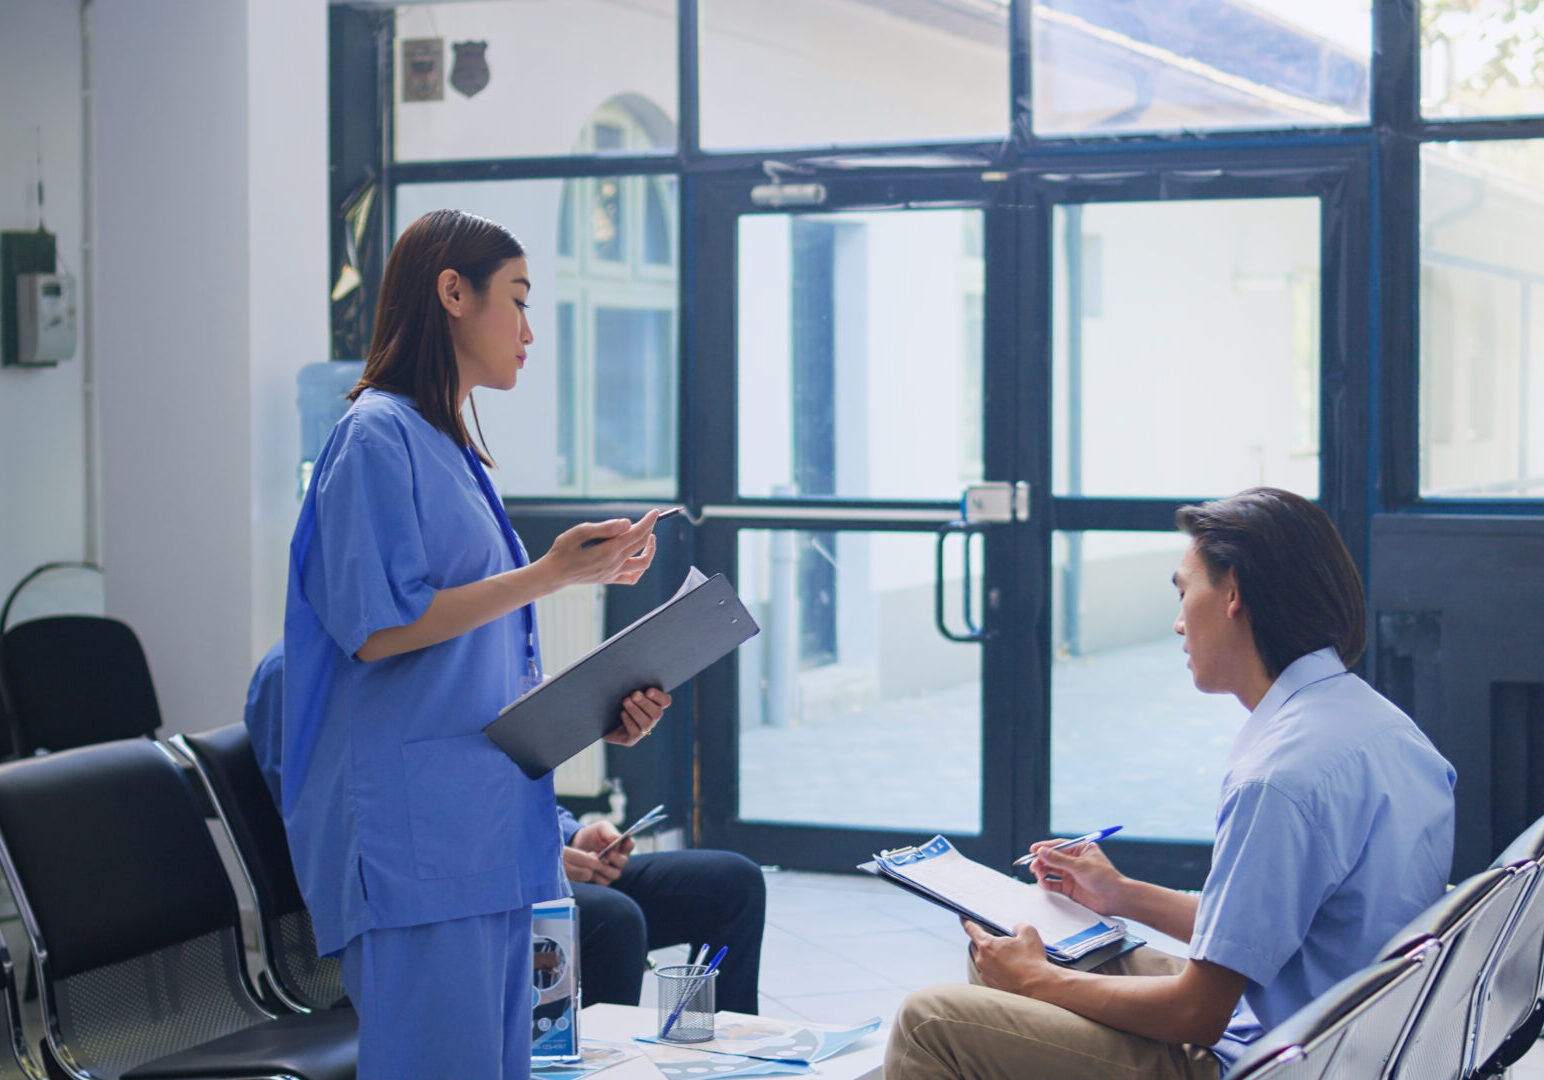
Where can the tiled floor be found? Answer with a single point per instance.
(843, 948)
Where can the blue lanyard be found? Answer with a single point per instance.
(516, 550)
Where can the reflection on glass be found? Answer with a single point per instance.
(850, 702)
(1133, 742)
(628, 55)
(1482, 57)
(1482, 320)
(820, 72)
(595, 410)
(1186, 357)
(1112, 66)
(846, 321)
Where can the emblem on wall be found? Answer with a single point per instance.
(423, 69)
(470, 73)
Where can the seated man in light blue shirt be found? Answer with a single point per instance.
(1334, 829)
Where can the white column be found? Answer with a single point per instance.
(210, 158)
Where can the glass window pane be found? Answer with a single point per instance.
(595, 411)
(850, 701)
(817, 72)
(1186, 358)
(1482, 57)
(1482, 320)
(1109, 66)
(845, 321)
(1133, 742)
(495, 101)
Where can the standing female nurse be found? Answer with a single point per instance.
(419, 845)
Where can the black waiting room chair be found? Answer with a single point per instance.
(1350, 1031)
(1510, 1014)
(1468, 922)
(135, 929)
(293, 973)
(74, 680)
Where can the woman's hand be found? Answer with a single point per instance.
(619, 554)
(1086, 875)
(641, 710)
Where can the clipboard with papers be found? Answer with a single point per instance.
(703, 622)
(1074, 935)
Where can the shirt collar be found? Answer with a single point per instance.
(1304, 671)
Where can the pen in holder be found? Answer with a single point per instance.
(686, 1002)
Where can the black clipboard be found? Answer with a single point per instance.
(581, 703)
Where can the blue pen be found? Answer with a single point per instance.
(1086, 838)
(676, 1014)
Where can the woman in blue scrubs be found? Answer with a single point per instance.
(420, 847)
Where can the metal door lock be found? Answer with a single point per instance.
(995, 503)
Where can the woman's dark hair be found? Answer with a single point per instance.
(411, 352)
(1295, 576)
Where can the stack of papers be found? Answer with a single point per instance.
(795, 1042)
(937, 872)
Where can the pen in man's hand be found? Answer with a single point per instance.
(1086, 838)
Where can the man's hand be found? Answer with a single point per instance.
(1016, 964)
(581, 861)
(1085, 874)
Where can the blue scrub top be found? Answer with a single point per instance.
(1335, 829)
(399, 810)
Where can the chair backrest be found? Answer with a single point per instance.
(1469, 922)
(55, 588)
(133, 923)
(1350, 1030)
(74, 680)
(224, 759)
(1509, 993)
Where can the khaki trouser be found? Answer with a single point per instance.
(973, 1032)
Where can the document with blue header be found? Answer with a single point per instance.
(936, 871)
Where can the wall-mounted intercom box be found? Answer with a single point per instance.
(38, 322)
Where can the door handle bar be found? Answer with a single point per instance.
(974, 632)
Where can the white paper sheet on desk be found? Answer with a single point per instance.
(593, 1057)
(796, 1041)
(683, 1061)
(1067, 927)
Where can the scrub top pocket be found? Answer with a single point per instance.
(461, 805)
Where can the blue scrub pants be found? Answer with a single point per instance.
(448, 999)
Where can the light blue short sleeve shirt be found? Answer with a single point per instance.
(1334, 829)
(399, 810)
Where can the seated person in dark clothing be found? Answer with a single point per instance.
(628, 905)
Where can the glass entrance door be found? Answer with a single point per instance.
(856, 350)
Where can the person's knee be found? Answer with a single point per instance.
(739, 877)
(920, 1006)
(611, 922)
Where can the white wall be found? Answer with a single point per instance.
(211, 206)
(42, 410)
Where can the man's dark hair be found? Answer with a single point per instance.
(1295, 576)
